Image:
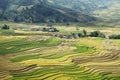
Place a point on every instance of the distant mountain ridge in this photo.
(83, 5)
(106, 9)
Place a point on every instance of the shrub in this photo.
(80, 35)
(97, 34)
(114, 37)
(6, 27)
(85, 33)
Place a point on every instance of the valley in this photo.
(37, 55)
(59, 40)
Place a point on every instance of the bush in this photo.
(80, 35)
(85, 33)
(114, 37)
(6, 27)
(51, 29)
(97, 34)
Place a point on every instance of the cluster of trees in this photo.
(5, 27)
(114, 37)
(50, 30)
(97, 34)
(77, 35)
(92, 34)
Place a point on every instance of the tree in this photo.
(94, 34)
(74, 35)
(84, 32)
(44, 29)
(80, 35)
(5, 27)
(114, 37)
(97, 34)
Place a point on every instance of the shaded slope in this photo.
(35, 11)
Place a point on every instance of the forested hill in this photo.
(36, 11)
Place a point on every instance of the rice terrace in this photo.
(59, 40)
(37, 55)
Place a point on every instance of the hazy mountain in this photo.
(86, 6)
(106, 9)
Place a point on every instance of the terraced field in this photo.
(42, 57)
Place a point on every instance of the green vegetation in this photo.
(81, 48)
(114, 78)
(39, 12)
(114, 37)
(25, 57)
(84, 33)
(53, 58)
(7, 32)
(117, 42)
(5, 27)
(97, 34)
(71, 71)
(18, 45)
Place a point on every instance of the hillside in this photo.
(113, 10)
(86, 6)
(35, 11)
(97, 8)
(37, 55)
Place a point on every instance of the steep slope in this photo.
(97, 8)
(112, 12)
(40, 11)
(86, 6)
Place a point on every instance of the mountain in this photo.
(86, 6)
(111, 13)
(35, 11)
(59, 10)
(105, 9)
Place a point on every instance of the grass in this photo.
(98, 39)
(82, 48)
(24, 57)
(70, 71)
(18, 45)
(7, 32)
(114, 78)
(117, 42)
(56, 64)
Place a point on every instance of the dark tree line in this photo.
(85, 34)
(97, 34)
(114, 37)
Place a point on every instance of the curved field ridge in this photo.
(30, 58)
(72, 72)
